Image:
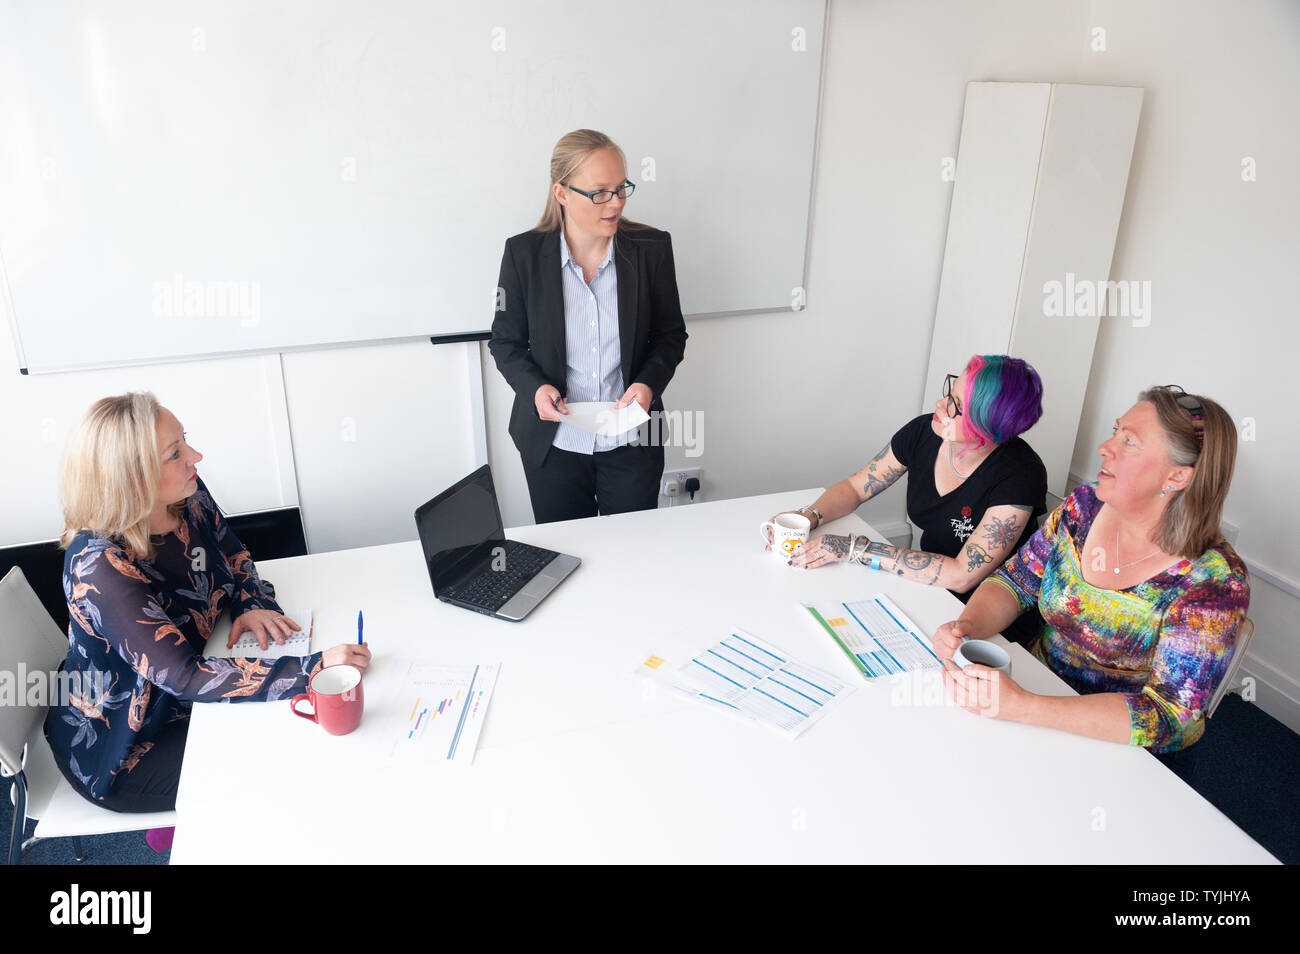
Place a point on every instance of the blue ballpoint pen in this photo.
(360, 623)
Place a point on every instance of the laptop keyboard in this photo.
(492, 589)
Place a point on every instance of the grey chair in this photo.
(1239, 649)
(30, 640)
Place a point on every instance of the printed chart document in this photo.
(600, 417)
(877, 637)
(441, 710)
(299, 644)
(744, 676)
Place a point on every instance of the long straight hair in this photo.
(1190, 523)
(111, 470)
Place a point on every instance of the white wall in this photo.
(1220, 253)
(377, 431)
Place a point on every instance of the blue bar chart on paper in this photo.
(441, 711)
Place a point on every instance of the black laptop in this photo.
(472, 564)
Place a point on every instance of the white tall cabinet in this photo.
(1041, 173)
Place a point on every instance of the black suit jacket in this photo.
(528, 339)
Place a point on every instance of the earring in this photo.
(1162, 493)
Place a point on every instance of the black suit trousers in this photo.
(568, 486)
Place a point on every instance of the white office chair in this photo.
(29, 637)
(1244, 635)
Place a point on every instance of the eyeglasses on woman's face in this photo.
(601, 196)
(954, 406)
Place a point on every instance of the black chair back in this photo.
(42, 564)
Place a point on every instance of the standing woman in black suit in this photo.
(587, 310)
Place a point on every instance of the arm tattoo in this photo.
(878, 478)
(978, 556)
(917, 559)
(909, 563)
(1001, 534)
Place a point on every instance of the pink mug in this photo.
(335, 697)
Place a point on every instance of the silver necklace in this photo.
(1133, 563)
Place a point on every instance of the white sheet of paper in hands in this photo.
(601, 418)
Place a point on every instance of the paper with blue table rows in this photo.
(876, 636)
(746, 677)
(440, 712)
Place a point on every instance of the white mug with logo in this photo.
(789, 530)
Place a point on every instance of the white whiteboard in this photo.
(180, 179)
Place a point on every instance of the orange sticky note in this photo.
(654, 662)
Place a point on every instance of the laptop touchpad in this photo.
(539, 586)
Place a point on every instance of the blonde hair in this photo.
(111, 471)
(567, 158)
(1190, 523)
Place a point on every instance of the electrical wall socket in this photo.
(673, 482)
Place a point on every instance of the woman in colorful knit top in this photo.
(151, 565)
(1141, 596)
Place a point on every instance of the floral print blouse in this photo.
(137, 634)
(1165, 644)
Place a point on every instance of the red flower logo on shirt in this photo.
(965, 511)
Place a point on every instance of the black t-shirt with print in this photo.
(1012, 474)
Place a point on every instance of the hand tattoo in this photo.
(836, 544)
(978, 557)
(1001, 534)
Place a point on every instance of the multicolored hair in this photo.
(1004, 397)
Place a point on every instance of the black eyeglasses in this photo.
(954, 408)
(1191, 405)
(601, 196)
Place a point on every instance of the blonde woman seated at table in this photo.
(1141, 595)
(974, 487)
(151, 565)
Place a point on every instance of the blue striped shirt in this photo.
(593, 350)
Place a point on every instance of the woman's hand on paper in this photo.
(821, 551)
(265, 625)
(550, 406)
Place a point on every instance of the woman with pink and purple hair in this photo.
(975, 488)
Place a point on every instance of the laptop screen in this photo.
(458, 526)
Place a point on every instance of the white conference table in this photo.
(582, 760)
